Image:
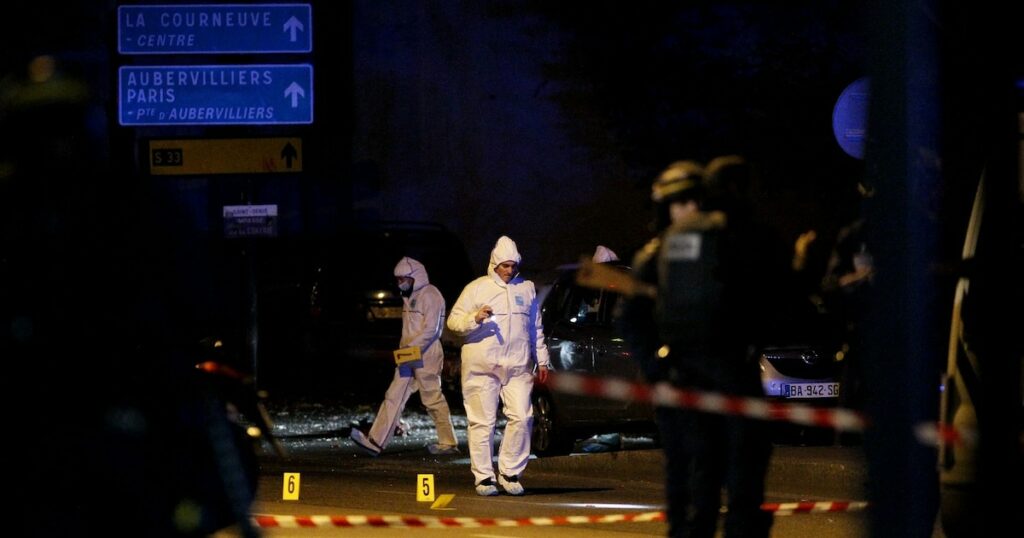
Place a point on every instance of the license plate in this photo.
(386, 312)
(810, 390)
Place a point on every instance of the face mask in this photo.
(405, 286)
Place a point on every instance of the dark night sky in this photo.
(547, 121)
(543, 121)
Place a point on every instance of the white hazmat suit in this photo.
(603, 254)
(422, 323)
(497, 362)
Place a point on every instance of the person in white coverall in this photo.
(422, 323)
(498, 316)
(603, 254)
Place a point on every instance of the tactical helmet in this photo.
(681, 180)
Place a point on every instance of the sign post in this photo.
(181, 94)
(214, 29)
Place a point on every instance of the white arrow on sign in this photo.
(293, 25)
(294, 91)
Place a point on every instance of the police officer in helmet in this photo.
(698, 333)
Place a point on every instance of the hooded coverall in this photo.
(497, 362)
(422, 323)
(603, 254)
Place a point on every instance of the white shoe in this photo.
(442, 450)
(510, 484)
(487, 488)
(364, 442)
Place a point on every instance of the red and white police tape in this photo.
(664, 394)
(787, 509)
(434, 522)
(933, 434)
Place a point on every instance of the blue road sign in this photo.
(850, 117)
(215, 94)
(214, 28)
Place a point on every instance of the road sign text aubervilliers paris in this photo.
(215, 94)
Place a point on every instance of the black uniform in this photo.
(712, 294)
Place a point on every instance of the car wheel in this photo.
(548, 437)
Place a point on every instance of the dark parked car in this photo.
(581, 338)
(579, 326)
(334, 319)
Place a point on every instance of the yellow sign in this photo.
(407, 354)
(225, 156)
(425, 487)
(290, 491)
(442, 502)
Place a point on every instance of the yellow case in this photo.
(407, 354)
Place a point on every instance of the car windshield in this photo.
(578, 305)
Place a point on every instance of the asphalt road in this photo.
(336, 480)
